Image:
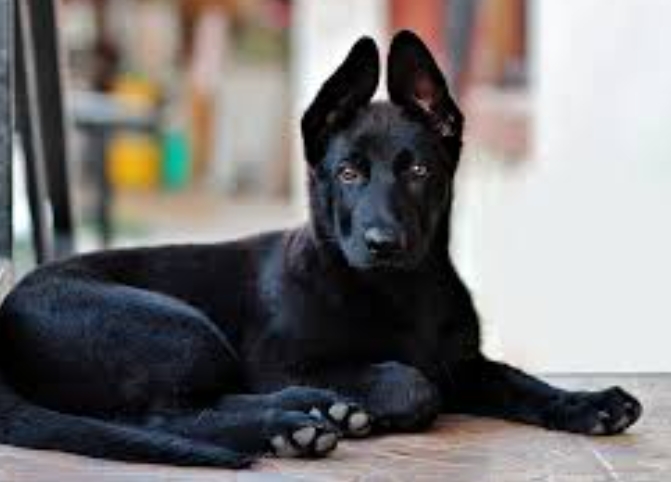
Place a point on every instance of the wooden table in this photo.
(458, 449)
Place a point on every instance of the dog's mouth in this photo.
(370, 262)
(388, 266)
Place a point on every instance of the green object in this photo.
(176, 169)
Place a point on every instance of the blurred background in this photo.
(183, 114)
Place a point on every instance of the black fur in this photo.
(356, 322)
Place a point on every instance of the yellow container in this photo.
(134, 162)
(136, 92)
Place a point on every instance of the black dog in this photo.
(355, 323)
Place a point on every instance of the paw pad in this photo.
(599, 413)
(348, 418)
(305, 436)
(359, 423)
(282, 447)
(310, 441)
(326, 443)
(338, 411)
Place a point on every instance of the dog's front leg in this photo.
(397, 396)
(494, 389)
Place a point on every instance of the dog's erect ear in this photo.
(415, 82)
(349, 88)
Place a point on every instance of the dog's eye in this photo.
(349, 175)
(419, 170)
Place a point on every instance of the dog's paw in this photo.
(296, 434)
(347, 416)
(606, 412)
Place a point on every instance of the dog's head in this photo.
(381, 173)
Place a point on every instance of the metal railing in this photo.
(31, 111)
(6, 136)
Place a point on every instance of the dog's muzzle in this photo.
(384, 244)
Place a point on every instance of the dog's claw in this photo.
(313, 440)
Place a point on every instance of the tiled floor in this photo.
(458, 449)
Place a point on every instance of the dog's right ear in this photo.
(350, 87)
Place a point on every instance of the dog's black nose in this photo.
(383, 242)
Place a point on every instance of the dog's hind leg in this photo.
(80, 356)
(23, 424)
(254, 430)
(294, 422)
(102, 349)
(142, 358)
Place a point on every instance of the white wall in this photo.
(570, 256)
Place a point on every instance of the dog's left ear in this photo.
(415, 82)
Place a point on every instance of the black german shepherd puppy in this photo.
(355, 323)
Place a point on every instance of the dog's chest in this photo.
(321, 320)
(374, 326)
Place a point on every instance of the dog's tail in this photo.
(24, 424)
